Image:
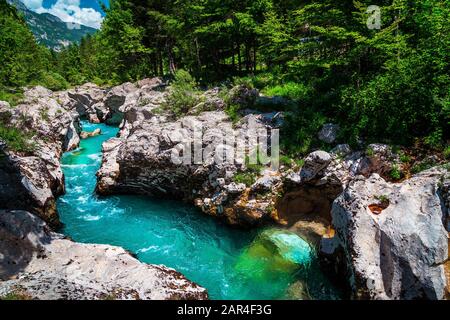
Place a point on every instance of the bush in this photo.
(16, 139)
(290, 90)
(395, 106)
(53, 81)
(183, 94)
(299, 135)
(247, 178)
(12, 97)
(396, 174)
(447, 153)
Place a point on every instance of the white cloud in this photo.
(69, 11)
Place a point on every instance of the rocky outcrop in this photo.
(87, 101)
(390, 240)
(39, 264)
(34, 176)
(122, 98)
(141, 161)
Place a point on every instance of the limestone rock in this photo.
(37, 175)
(266, 183)
(85, 135)
(315, 163)
(141, 161)
(44, 265)
(392, 237)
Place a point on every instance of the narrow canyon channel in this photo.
(269, 263)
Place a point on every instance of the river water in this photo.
(230, 263)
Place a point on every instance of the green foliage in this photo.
(447, 152)
(396, 173)
(405, 158)
(16, 139)
(12, 97)
(247, 178)
(383, 198)
(183, 94)
(300, 132)
(389, 85)
(15, 296)
(20, 56)
(52, 81)
(290, 162)
(291, 90)
(233, 112)
(422, 166)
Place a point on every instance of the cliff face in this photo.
(390, 241)
(35, 175)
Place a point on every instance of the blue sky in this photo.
(87, 12)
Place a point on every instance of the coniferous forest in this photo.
(389, 85)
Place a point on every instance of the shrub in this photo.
(247, 178)
(404, 158)
(13, 97)
(183, 94)
(447, 152)
(299, 135)
(53, 81)
(422, 166)
(16, 139)
(290, 90)
(395, 173)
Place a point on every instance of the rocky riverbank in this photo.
(307, 199)
(40, 264)
(390, 240)
(36, 263)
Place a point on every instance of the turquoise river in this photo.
(230, 263)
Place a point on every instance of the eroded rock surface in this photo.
(40, 264)
(390, 239)
(141, 161)
(32, 179)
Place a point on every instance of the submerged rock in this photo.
(275, 253)
(390, 239)
(41, 264)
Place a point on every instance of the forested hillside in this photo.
(387, 85)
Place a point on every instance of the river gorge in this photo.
(231, 263)
(94, 208)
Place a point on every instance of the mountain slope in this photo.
(51, 31)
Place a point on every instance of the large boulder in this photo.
(87, 100)
(315, 164)
(39, 264)
(390, 239)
